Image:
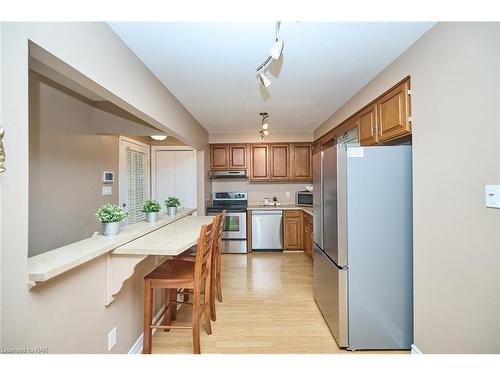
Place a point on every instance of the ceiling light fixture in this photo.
(265, 126)
(158, 137)
(275, 53)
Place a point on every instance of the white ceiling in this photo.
(210, 67)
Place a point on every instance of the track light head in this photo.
(265, 126)
(277, 49)
(266, 82)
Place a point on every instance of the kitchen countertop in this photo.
(252, 207)
(171, 240)
(45, 266)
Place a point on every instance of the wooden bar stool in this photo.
(177, 274)
(216, 287)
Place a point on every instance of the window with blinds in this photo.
(349, 137)
(136, 186)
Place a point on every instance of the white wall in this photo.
(455, 78)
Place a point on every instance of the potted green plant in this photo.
(172, 203)
(151, 208)
(110, 215)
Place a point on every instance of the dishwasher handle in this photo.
(267, 212)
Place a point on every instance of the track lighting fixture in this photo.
(277, 48)
(265, 126)
(275, 53)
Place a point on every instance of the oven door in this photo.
(235, 225)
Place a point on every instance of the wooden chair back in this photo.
(203, 260)
(218, 240)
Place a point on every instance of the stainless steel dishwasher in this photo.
(267, 233)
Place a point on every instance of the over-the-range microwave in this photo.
(304, 198)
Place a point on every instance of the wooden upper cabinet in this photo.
(279, 162)
(219, 157)
(301, 162)
(259, 162)
(393, 113)
(367, 126)
(238, 157)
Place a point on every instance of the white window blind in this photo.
(136, 185)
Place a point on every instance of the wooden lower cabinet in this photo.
(308, 234)
(293, 230)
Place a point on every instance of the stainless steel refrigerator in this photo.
(363, 245)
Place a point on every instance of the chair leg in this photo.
(173, 304)
(148, 317)
(211, 301)
(196, 324)
(219, 288)
(206, 306)
(167, 320)
(218, 280)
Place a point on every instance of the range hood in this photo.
(228, 174)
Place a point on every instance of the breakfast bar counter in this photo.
(171, 240)
(52, 263)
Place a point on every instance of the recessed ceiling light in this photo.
(159, 137)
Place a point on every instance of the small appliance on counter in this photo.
(304, 198)
(234, 236)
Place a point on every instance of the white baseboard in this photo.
(415, 350)
(138, 344)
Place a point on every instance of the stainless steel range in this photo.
(234, 237)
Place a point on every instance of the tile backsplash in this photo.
(258, 191)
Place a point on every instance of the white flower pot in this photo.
(151, 217)
(171, 211)
(111, 229)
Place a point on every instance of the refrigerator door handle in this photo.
(342, 253)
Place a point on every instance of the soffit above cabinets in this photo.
(211, 67)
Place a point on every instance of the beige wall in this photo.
(67, 159)
(254, 137)
(68, 314)
(1, 124)
(455, 78)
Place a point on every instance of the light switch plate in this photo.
(107, 190)
(492, 196)
(111, 339)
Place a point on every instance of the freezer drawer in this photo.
(330, 293)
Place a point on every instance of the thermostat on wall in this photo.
(108, 177)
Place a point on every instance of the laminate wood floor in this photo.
(268, 308)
